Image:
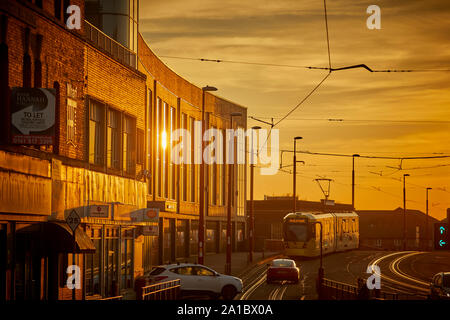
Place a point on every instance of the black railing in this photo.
(111, 46)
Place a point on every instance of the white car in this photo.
(198, 279)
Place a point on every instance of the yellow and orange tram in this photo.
(301, 233)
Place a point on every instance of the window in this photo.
(113, 139)
(93, 264)
(166, 137)
(147, 253)
(158, 146)
(213, 170)
(149, 139)
(140, 147)
(192, 165)
(187, 271)
(156, 271)
(126, 259)
(183, 167)
(66, 4)
(111, 242)
(57, 8)
(129, 149)
(199, 271)
(173, 126)
(96, 133)
(71, 107)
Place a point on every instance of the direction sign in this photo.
(73, 220)
(441, 236)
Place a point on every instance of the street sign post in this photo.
(73, 220)
(441, 236)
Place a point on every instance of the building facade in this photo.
(383, 229)
(87, 117)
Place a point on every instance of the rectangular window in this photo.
(93, 263)
(57, 7)
(166, 149)
(71, 107)
(96, 133)
(127, 259)
(173, 126)
(149, 139)
(140, 146)
(129, 144)
(213, 180)
(113, 139)
(192, 165)
(183, 167)
(111, 250)
(158, 145)
(224, 171)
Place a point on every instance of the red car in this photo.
(283, 269)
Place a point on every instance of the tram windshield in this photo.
(296, 232)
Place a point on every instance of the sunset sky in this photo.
(385, 114)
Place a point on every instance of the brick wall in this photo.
(62, 61)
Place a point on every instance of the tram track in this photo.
(399, 280)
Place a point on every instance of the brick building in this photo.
(383, 229)
(108, 159)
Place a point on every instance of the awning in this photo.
(64, 238)
(57, 237)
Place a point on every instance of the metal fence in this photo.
(111, 46)
(335, 290)
(168, 290)
(112, 298)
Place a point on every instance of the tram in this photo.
(301, 233)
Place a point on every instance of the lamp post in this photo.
(230, 190)
(252, 220)
(426, 223)
(295, 173)
(404, 211)
(353, 180)
(321, 272)
(201, 218)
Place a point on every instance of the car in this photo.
(283, 269)
(440, 286)
(197, 279)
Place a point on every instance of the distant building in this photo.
(269, 215)
(383, 229)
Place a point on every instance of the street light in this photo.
(252, 221)
(295, 172)
(353, 180)
(201, 219)
(230, 184)
(404, 211)
(426, 223)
